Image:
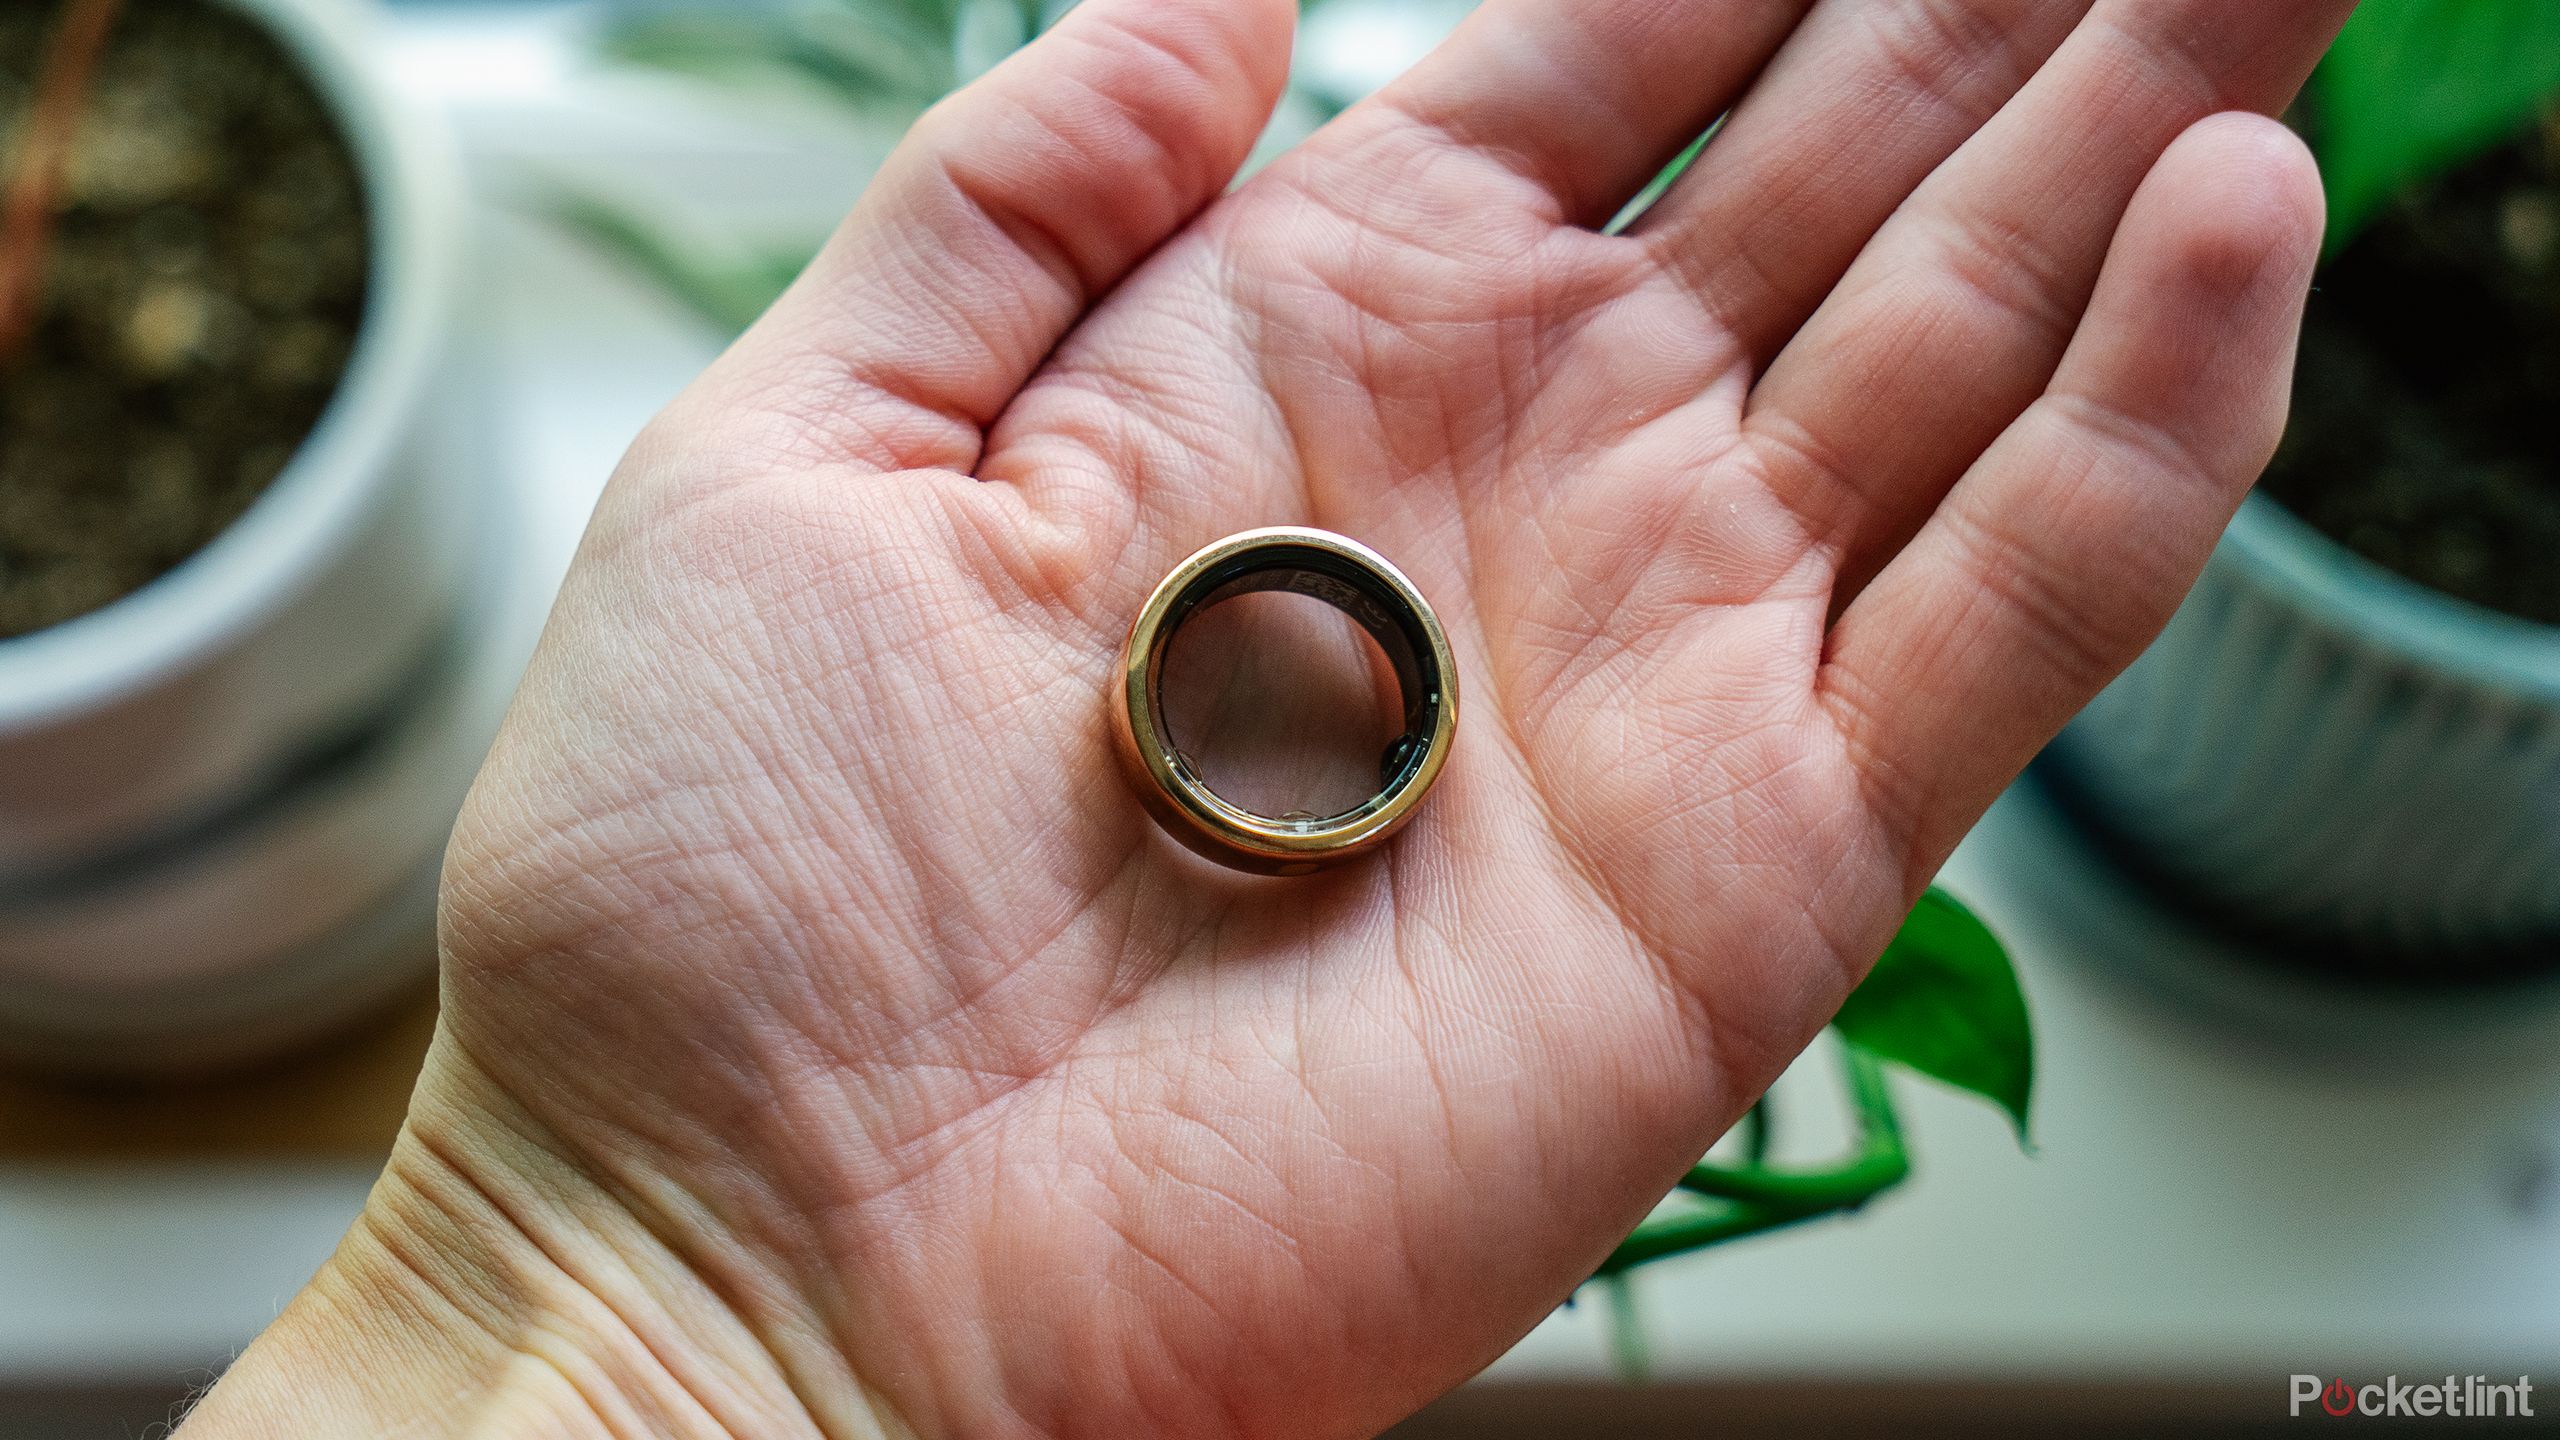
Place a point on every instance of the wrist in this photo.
(493, 1288)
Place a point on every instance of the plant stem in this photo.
(1880, 1164)
(1680, 1234)
(1627, 1347)
(35, 184)
(1759, 1132)
(1759, 1199)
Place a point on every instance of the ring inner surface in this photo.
(1355, 590)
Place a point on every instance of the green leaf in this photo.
(2416, 87)
(1945, 1002)
(728, 290)
(880, 57)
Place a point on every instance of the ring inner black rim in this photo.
(1374, 604)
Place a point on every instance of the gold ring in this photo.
(1353, 579)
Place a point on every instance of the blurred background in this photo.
(322, 323)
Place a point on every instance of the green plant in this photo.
(881, 61)
(888, 56)
(1942, 1002)
(2415, 87)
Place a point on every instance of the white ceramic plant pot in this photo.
(175, 769)
(2364, 771)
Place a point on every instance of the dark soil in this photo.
(2426, 431)
(203, 293)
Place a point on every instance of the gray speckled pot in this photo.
(2339, 757)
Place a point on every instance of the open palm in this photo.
(803, 911)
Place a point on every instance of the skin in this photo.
(831, 1047)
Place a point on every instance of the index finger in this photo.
(1589, 99)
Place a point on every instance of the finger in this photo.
(1589, 99)
(1984, 274)
(1007, 211)
(2062, 553)
(1857, 109)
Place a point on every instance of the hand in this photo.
(831, 1042)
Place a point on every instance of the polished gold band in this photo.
(1360, 583)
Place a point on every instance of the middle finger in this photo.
(1866, 99)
